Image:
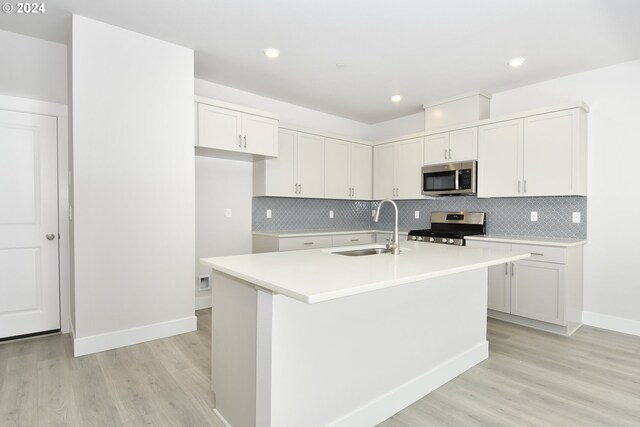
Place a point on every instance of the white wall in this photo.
(289, 113)
(133, 166)
(397, 127)
(221, 184)
(611, 285)
(33, 68)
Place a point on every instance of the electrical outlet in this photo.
(330, 214)
(268, 213)
(534, 216)
(575, 217)
(205, 283)
(416, 214)
(373, 212)
(227, 213)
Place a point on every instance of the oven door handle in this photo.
(458, 179)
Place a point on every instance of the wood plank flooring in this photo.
(530, 379)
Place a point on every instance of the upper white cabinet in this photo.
(347, 170)
(227, 127)
(397, 169)
(298, 171)
(453, 146)
(539, 155)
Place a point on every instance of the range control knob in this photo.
(432, 240)
(420, 239)
(451, 241)
(412, 238)
(444, 240)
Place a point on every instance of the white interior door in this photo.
(29, 280)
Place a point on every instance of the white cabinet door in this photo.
(500, 147)
(549, 141)
(384, 172)
(361, 171)
(463, 145)
(310, 165)
(280, 174)
(436, 148)
(336, 169)
(260, 135)
(537, 291)
(499, 288)
(219, 128)
(408, 167)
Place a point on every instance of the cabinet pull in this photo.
(240, 141)
(245, 141)
(512, 270)
(518, 186)
(299, 188)
(308, 243)
(295, 188)
(355, 240)
(445, 154)
(449, 153)
(537, 253)
(506, 269)
(525, 186)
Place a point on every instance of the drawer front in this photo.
(352, 239)
(311, 242)
(542, 253)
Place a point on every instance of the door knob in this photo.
(51, 236)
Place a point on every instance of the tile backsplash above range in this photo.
(504, 215)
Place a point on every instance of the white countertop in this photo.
(317, 275)
(303, 233)
(528, 240)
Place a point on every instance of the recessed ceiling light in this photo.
(396, 98)
(516, 62)
(271, 52)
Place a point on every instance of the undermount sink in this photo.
(363, 252)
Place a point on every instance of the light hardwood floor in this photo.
(531, 379)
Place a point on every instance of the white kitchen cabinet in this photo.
(347, 170)
(397, 169)
(500, 147)
(543, 291)
(539, 155)
(224, 128)
(298, 171)
(453, 146)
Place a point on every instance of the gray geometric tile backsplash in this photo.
(504, 216)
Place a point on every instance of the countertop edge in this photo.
(529, 240)
(327, 296)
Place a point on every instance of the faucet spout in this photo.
(394, 243)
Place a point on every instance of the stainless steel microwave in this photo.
(449, 179)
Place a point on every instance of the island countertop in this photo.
(317, 275)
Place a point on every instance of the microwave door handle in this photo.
(457, 180)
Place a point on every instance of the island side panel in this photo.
(358, 360)
(233, 349)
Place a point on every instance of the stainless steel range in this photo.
(451, 227)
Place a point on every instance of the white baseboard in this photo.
(399, 398)
(613, 323)
(125, 337)
(203, 302)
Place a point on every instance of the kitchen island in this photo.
(314, 338)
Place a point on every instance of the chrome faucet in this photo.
(393, 244)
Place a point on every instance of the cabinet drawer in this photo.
(352, 239)
(542, 253)
(489, 245)
(311, 242)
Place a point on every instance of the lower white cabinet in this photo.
(275, 243)
(543, 291)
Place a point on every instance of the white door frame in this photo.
(60, 112)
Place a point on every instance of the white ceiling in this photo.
(425, 50)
